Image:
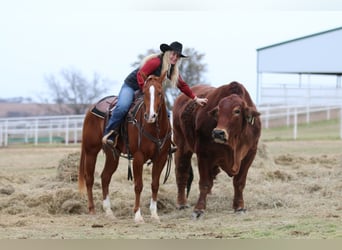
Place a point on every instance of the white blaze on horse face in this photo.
(152, 116)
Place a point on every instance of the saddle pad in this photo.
(104, 105)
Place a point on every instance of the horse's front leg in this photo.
(156, 172)
(138, 163)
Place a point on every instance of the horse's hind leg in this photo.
(90, 162)
(110, 167)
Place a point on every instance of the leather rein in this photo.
(160, 142)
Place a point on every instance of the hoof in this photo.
(155, 218)
(240, 211)
(197, 214)
(181, 207)
(139, 221)
(110, 216)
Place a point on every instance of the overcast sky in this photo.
(40, 37)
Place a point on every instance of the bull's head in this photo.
(233, 116)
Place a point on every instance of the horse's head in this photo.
(153, 97)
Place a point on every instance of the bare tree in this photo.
(73, 91)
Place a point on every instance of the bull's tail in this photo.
(81, 179)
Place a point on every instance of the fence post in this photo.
(67, 131)
(295, 124)
(36, 132)
(1, 133)
(267, 117)
(50, 132)
(75, 131)
(6, 134)
(341, 122)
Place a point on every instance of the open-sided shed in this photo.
(306, 70)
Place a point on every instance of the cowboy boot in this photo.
(111, 138)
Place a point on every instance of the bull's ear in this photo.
(250, 114)
(213, 112)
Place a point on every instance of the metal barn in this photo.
(302, 71)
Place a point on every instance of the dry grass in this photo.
(293, 191)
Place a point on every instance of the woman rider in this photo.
(168, 60)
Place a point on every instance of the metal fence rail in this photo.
(275, 116)
(68, 129)
(42, 129)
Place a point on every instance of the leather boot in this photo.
(111, 138)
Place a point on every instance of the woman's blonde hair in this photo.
(173, 80)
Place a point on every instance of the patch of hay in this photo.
(6, 189)
(67, 169)
(68, 201)
(281, 175)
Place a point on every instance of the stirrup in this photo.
(173, 149)
(109, 141)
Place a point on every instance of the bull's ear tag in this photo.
(250, 120)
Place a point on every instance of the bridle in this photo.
(159, 141)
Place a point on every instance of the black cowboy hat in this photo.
(175, 46)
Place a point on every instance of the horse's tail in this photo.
(81, 179)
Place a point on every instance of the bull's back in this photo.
(184, 113)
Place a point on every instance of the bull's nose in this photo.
(219, 134)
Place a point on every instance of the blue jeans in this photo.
(125, 99)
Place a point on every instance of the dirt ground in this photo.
(293, 191)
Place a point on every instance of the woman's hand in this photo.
(201, 101)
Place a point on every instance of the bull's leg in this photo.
(182, 169)
(239, 182)
(138, 163)
(110, 167)
(205, 185)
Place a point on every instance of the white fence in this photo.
(273, 116)
(68, 129)
(43, 129)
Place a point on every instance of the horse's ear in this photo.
(143, 75)
(162, 77)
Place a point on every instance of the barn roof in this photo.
(319, 53)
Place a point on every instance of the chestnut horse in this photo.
(149, 138)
